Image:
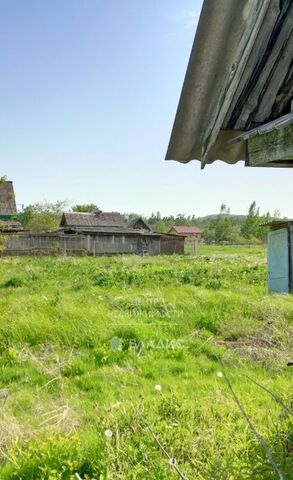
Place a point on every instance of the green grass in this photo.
(195, 248)
(258, 250)
(84, 342)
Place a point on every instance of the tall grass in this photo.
(85, 341)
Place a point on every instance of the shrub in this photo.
(13, 282)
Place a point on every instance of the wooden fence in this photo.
(79, 244)
(46, 244)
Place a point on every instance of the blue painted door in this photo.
(278, 261)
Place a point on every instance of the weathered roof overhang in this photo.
(277, 224)
(239, 77)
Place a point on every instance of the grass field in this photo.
(203, 249)
(97, 354)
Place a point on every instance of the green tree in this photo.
(224, 209)
(3, 180)
(221, 226)
(43, 216)
(251, 226)
(86, 208)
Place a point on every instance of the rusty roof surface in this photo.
(239, 76)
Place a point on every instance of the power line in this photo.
(172, 461)
(258, 436)
(274, 395)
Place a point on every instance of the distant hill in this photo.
(234, 218)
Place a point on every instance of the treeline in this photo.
(221, 228)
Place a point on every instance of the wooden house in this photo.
(107, 234)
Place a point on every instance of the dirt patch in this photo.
(62, 418)
(264, 346)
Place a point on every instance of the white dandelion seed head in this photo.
(108, 433)
(158, 388)
(219, 374)
(172, 461)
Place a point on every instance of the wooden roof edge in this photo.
(277, 223)
(276, 124)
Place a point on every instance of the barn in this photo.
(107, 234)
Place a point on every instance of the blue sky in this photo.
(88, 92)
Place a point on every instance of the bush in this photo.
(13, 282)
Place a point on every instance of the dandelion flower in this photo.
(158, 388)
(109, 433)
(219, 374)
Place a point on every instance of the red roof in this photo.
(186, 230)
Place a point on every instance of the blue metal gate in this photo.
(278, 261)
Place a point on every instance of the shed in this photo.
(280, 256)
(106, 234)
(236, 101)
(171, 244)
(189, 232)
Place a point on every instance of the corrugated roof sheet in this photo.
(7, 199)
(239, 76)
